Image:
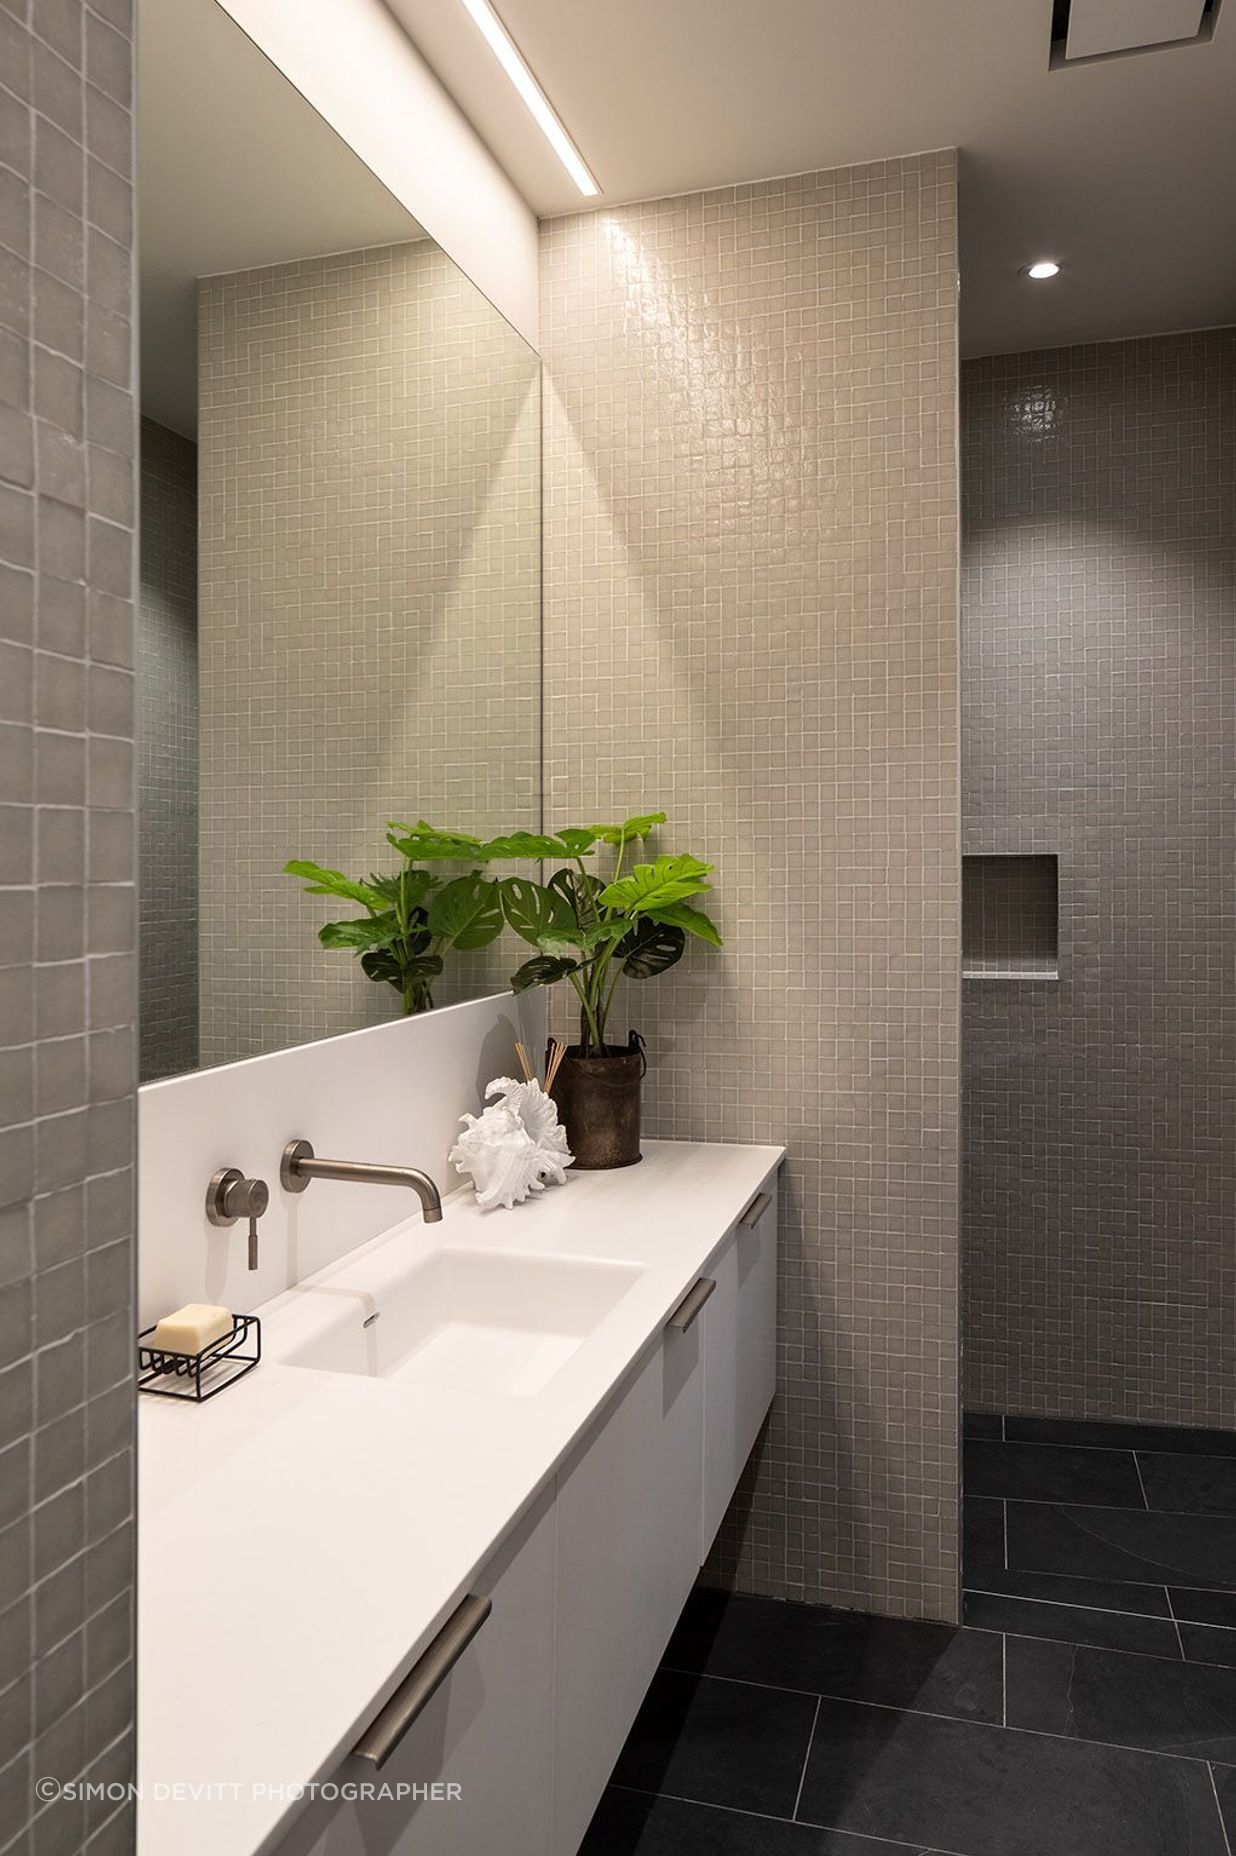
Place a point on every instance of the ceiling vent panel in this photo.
(1085, 29)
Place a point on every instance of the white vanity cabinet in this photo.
(487, 1730)
(740, 1353)
(628, 1552)
(586, 1592)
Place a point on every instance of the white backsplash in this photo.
(392, 1093)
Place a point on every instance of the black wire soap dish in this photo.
(198, 1376)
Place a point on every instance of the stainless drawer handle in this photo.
(755, 1211)
(691, 1303)
(422, 1682)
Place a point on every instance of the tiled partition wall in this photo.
(1099, 603)
(369, 477)
(67, 445)
(751, 622)
(168, 750)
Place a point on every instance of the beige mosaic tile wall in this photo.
(1099, 626)
(751, 621)
(369, 472)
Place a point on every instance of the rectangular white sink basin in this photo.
(470, 1321)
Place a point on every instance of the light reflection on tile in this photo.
(370, 611)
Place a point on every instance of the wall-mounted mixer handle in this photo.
(231, 1196)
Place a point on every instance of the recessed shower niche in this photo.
(1009, 921)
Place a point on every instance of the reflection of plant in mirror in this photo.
(413, 919)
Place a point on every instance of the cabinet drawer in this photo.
(628, 1552)
(487, 1730)
(740, 1355)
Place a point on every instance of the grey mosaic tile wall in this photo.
(67, 928)
(369, 472)
(751, 621)
(167, 751)
(1099, 622)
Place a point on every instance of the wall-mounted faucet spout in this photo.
(300, 1164)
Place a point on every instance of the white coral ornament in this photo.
(515, 1147)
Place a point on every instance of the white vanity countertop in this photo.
(303, 1536)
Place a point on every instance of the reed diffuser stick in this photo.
(557, 1052)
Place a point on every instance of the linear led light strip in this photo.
(505, 50)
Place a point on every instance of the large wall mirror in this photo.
(340, 552)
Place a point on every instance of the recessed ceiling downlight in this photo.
(1043, 268)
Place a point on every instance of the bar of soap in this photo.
(191, 1329)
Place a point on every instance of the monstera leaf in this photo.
(521, 844)
(691, 921)
(534, 909)
(650, 948)
(579, 890)
(407, 890)
(649, 887)
(406, 976)
(376, 931)
(466, 913)
(542, 970)
(582, 943)
(319, 881)
(425, 844)
(641, 826)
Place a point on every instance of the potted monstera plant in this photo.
(594, 930)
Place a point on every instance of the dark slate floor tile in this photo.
(982, 1535)
(1118, 1543)
(1225, 1791)
(1190, 1484)
(985, 1424)
(1059, 1688)
(1208, 1643)
(1201, 1607)
(1148, 1601)
(981, 1791)
(1109, 1630)
(726, 1743)
(1098, 1436)
(893, 1661)
(636, 1824)
(1050, 1473)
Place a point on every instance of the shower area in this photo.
(1099, 989)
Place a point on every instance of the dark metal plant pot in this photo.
(598, 1105)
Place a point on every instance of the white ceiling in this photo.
(1124, 168)
(235, 169)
